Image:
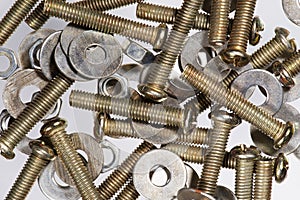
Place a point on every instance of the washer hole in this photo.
(4, 63)
(258, 98)
(204, 55)
(109, 156)
(95, 54)
(27, 92)
(58, 181)
(83, 156)
(159, 175)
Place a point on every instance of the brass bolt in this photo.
(219, 22)
(39, 158)
(55, 131)
(275, 48)
(280, 132)
(33, 113)
(240, 33)
(246, 158)
(155, 82)
(118, 177)
(14, 17)
(263, 179)
(129, 192)
(281, 167)
(223, 122)
(135, 109)
(164, 14)
(107, 23)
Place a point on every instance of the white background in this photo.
(270, 12)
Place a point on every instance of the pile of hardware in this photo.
(149, 99)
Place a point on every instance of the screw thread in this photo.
(14, 17)
(268, 53)
(219, 22)
(33, 113)
(164, 62)
(102, 5)
(263, 179)
(230, 78)
(234, 101)
(200, 102)
(34, 165)
(229, 161)
(292, 64)
(36, 19)
(129, 192)
(244, 178)
(115, 180)
(100, 21)
(164, 14)
(73, 163)
(242, 24)
(135, 109)
(214, 158)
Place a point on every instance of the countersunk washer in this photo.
(13, 63)
(95, 55)
(14, 85)
(47, 62)
(173, 166)
(27, 43)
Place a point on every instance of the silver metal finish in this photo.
(192, 177)
(95, 55)
(115, 86)
(291, 9)
(5, 120)
(173, 166)
(189, 193)
(13, 63)
(114, 160)
(292, 94)
(34, 54)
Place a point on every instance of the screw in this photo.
(239, 36)
(155, 82)
(281, 167)
(280, 132)
(14, 17)
(223, 122)
(34, 112)
(36, 19)
(55, 131)
(244, 171)
(39, 158)
(129, 192)
(107, 23)
(135, 109)
(164, 14)
(123, 128)
(257, 26)
(118, 177)
(219, 22)
(263, 179)
(275, 48)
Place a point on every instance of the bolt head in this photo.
(226, 117)
(289, 132)
(244, 152)
(235, 57)
(281, 167)
(53, 126)
(41, 150)
(257, 26)
(290, 44)
(152, 92)
(5, 151)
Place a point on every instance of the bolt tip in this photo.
(53, 126)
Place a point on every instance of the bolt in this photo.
(257, 26)
(164, 14)
(14, 17)
(239, 36)
(223, 122)
(39, 158)
(135, 109)
(275, 48)
(280, 132)
(263, 179)
(129, 192)
(155, 82)
(33, 112)
(107, 23)
(55, 131)
(246, 158)
(123, 128)
(219, 22)
(118, 177)
(281, 167)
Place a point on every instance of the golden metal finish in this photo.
(55, 131)
(263, 179)
(129, 192)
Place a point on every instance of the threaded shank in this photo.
(36, 19)
(14, 17)
(135, 109)
(165, 61)
(129, 192)
(74, 165)
(35, 111)
(214, 158)
(242, 24)
(200, 102)
(100, 21)
(234, 101)
(119, 177)
(263, 180)
(268, 53)
(219, 22)
(26, 178)
(292, 64)
(167, 15)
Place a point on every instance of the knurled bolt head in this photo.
(53, 126)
